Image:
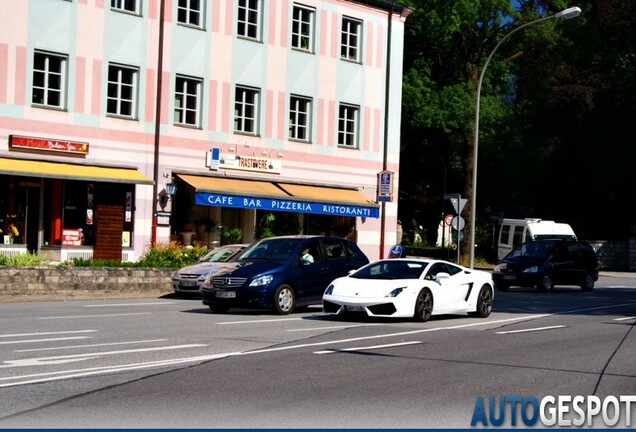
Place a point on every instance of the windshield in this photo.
(220, 254)
(532, 250)
(272, 250)
(391, 269)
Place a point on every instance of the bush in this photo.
(26, 259)
(171, 255)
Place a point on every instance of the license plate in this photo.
(354, 308)
(188, 283)
(510, 277)
(226, 294)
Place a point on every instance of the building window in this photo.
(246, 110)
(300, 118)
(49, 80)
(122, 91)
(303, 28)
(189, 12)
(249, 12)
(187, 101)
(131, 6)
(350, 39)
(348, 116)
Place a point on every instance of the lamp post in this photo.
(568, 13)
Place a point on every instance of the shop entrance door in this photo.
(30, 192)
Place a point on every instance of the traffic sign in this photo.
(448, 219)
(458, 204)
(458, 221)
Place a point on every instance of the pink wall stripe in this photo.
(4, 72)
(269, 113)
(20, 74)
(369, 136)
(226, 101)
(80, 83)
(335, 25)
(96, 87)
(282, 119)
(165, 97)
(153, 9)
(99, 4)
(284, 23)
(83, 2)
(324, 18)
(370, 42)
(271, 34)
(229, 17)
(379, 45)
(212, 106)
(151, 92)
(216, 12)
(377, 126)
(320, 122)
(331, 116)
(167, 10)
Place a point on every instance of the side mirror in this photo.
(441, 275)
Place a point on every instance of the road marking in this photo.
(260, 321)
(90, 346)
(93, 316)
(531, 330)
(331, 351)
(335, 327)
(62, 375)
(44, 340)
(625, 319)
(128, 304)
(86, 356)
(47, 333)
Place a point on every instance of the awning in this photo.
(69, 171)
(273, 196)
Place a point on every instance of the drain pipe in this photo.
(155, 186)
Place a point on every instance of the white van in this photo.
(513, 232)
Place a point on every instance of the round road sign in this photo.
(458, 220)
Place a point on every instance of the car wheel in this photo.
(588, 283)
(219, 308)
(546, 283)
(502, 287)
(484, 303)
(423, 306)
(284, 300)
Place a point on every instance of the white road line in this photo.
(90, 346)
(47, 333)
(93, 316)
(625, 319)
(260, 321)
(44, 377)
(129, 304)
(335, 327)
(44, 340)
(531, 329)
(331, 351)
(56, 359)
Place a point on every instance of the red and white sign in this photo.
(71, 237)
(50, 145)
(448, 219)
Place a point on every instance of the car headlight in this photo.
(532, 269)
(203, 277)
(261, 281)
(499, 267)
(175, 275)
(395, 292)
(329, 290)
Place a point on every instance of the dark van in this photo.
(546, 263)
(282, 273)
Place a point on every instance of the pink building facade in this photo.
(129, 122)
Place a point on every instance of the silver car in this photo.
(190, 278)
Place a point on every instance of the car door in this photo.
(453, 290)
(312, 279)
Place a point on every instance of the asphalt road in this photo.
(169, 363)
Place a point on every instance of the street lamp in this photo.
(568, 13)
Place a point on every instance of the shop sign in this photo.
(48, 145)
(268, 204)
(71, 237)
(163, 218)
(385, 186)
(243, 163)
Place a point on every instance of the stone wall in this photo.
(76, 281)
